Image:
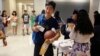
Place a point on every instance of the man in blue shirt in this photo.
(48, 22)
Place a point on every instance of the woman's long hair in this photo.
(14, 13)
(3, 13)
(84, 25)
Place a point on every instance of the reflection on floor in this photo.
(18, 46)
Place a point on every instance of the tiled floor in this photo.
(18, 46)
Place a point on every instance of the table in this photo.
(65, 46)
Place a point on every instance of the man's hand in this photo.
(48, 41)
(35, 29)
(56, 36)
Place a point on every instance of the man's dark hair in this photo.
(43, 12)
(51, 3)
(56, 15)
(75, 11)
(25, 10)
(15, 13)
(33, 11)
(96, 12)
(3, 13)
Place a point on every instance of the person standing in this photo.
(48, 22)
(5, 21)
(25, 17)
(95, 41)
(96, 18)
(69, 25)
(33, 16)
(3, 31)
(81, 35)
(58, 18)
(14, 22)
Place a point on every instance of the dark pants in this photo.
(95, 48)
(95, 41)
(37, 48)
(2, 28)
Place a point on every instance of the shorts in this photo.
(25, 26)
(2, 28)
(13, 24)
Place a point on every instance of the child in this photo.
(14, 21)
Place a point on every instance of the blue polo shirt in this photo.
(48, 24)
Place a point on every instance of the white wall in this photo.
(19, 9)
(12, 5)
(29, 10)
(6, 6)
(39, 5)
(0, 5)
(99, 7)
(9, 6)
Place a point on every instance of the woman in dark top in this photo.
(2, 29)
(5, 22)
(4, 16)
(95, 41)
(97, 18)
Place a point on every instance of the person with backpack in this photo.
(2, 32)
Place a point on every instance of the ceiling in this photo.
(24, 1)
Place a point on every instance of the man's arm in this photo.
(29, 16)
(23, 18)
(57, 29)
(35, 28)
(56, 36)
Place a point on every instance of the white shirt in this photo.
(80, 38)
